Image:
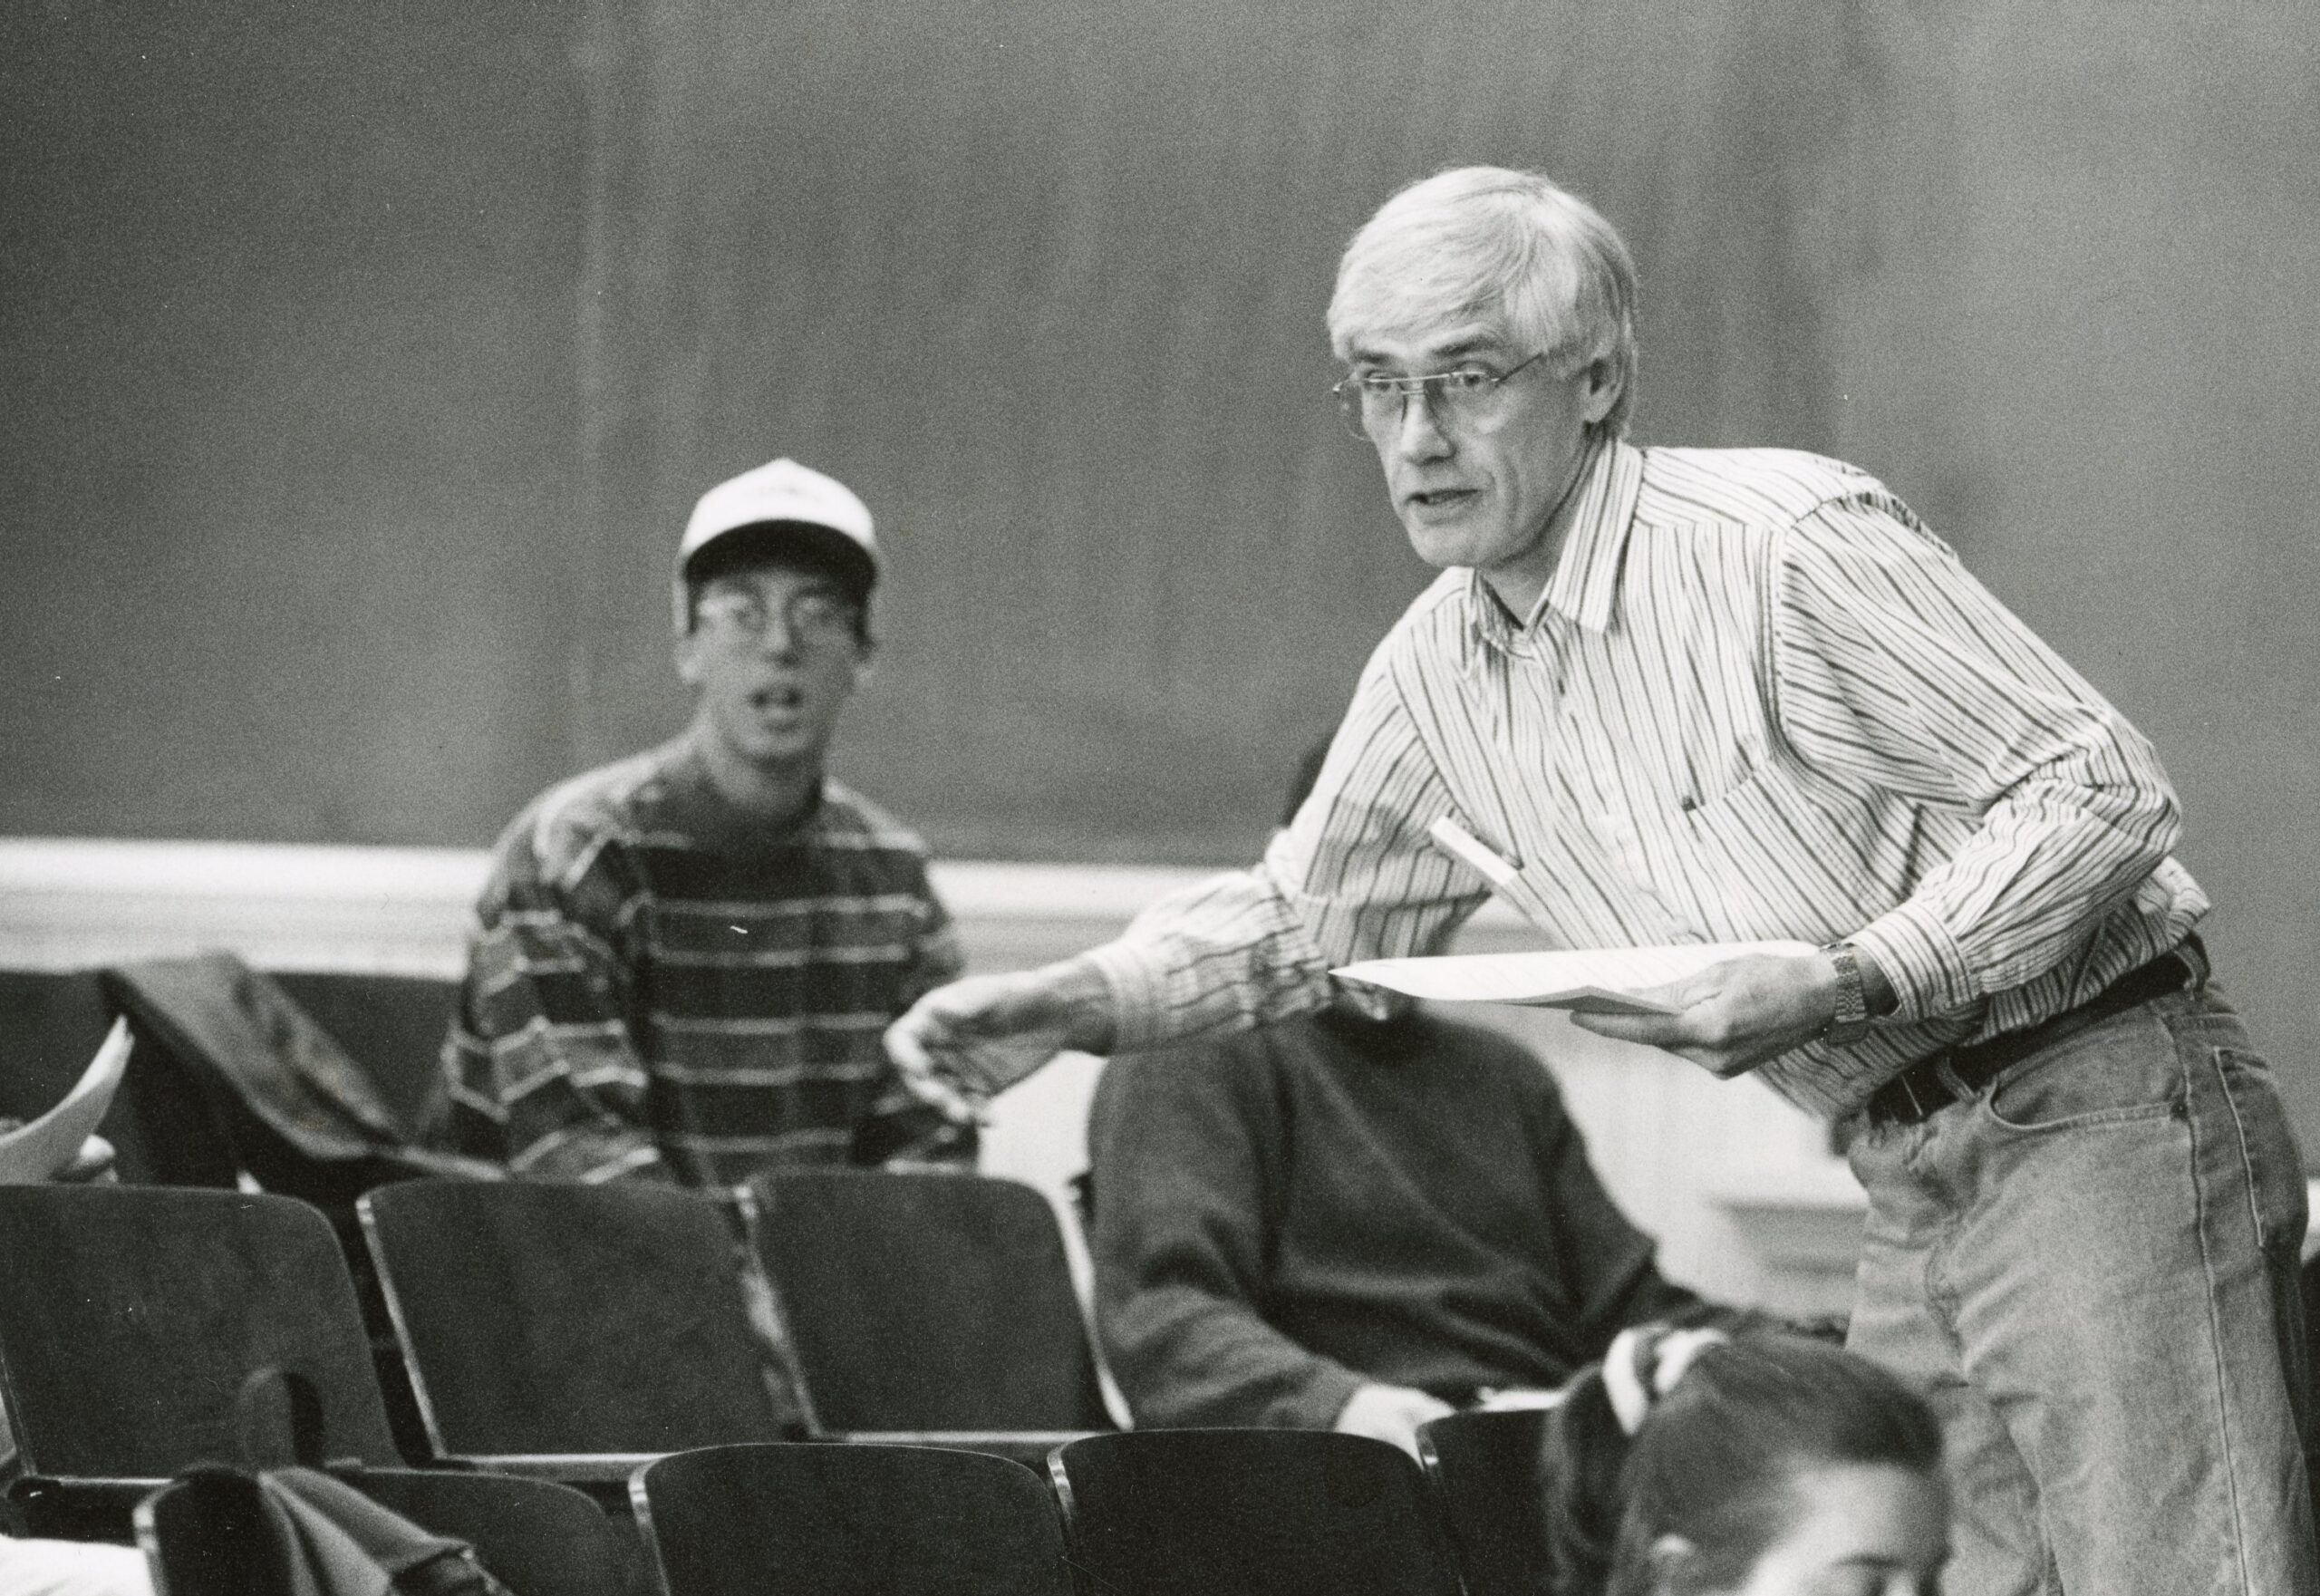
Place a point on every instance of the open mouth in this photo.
(781, 700)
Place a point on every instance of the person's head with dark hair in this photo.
(1688, 1464)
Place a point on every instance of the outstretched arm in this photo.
(1354, 877)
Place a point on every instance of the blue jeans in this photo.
(2090, 1268)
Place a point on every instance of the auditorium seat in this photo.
(573, 1331)
(393, 1026)
(1486, 1471)
(1249, 1512)
(131, 1319)
(207, 1535)
(849, 1521)
(298, 1111)
(926, 1306)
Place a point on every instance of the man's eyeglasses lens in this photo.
(1373, 403)
(817, 620)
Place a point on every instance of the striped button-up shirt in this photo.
(659, 986)
(1756, 700)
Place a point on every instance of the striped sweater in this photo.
(1758, 699)
(659, 988)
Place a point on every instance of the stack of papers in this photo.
(1593, 980)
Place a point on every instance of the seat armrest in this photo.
(80, 1507)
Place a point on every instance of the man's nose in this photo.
(778, 636)
(1418, 434)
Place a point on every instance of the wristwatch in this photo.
(1850, 1022)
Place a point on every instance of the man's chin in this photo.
(772, 748)
(1441, 546)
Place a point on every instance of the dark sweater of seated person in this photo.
(1283, 1217)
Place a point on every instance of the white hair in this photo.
(1484, 241)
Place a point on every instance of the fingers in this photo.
(1389, 1413)
(1657, 1031)
(912, 1043)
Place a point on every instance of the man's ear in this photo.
(687, 654)
(865, 663)
(1603, 387)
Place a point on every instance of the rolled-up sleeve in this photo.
(1354, 877)
(1897, 670)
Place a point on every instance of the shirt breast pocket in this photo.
(1780, 850)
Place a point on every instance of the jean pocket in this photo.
(2118, 1072)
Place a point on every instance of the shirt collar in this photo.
(1586, 576)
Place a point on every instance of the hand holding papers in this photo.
(47, 1146)
(1597, 981)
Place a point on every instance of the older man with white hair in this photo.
(1731, 696)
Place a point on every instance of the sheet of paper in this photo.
(1596, 980)
(36, 1152)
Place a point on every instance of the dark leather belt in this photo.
(1933, 1084)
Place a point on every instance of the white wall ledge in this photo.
(69, 902)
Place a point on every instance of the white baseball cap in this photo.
(780, 490)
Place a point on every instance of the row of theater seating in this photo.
(582, 1335)
(1169, 1512)
(581, 1327)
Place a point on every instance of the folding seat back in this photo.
(391, 1026)
(1249, 1512)
(297, 1111)
(1487, 1471)
(927, 1302)
(849, 1521)
(210, 1535)
(537, 1537)
(131, 1318)
(559, 1319)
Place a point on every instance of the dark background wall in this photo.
(362, 362)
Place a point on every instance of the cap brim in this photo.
(825, 547)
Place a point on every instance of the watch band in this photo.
(1850, 1022)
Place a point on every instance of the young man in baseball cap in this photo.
(683, 962)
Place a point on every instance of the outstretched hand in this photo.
(1731, 1017)
(962, 1044)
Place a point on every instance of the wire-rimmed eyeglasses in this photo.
(1372, 404)
(811, 619)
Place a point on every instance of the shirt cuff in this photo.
(1324, 1397)
(1926, 968)
(1137, 1006)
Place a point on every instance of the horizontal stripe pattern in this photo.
(1758, 699)
(656, 989)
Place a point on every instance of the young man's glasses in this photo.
(810, 619)
(1374, 403)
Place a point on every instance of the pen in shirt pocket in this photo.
(1458, 841)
